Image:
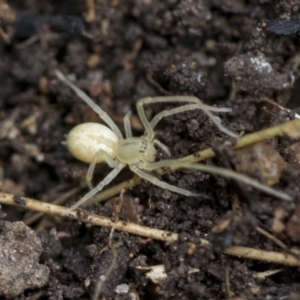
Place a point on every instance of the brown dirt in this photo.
(215, 50)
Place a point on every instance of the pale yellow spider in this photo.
(94, 143)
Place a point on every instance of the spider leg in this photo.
(176, 164)
(141, 112)
(176, 110)
(197, 104)
(99, 187)
(165, 185)
(228, 174)
(218, 109)
(90, 173)
(162, 147)
(207, 110)
(166, 163)
(170, 112)
(127, 125)
(97, 109)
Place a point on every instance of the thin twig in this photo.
(61, 199)
(89, 218)
(166, 236)
(149, 76)
(271, 237)
(263, 255)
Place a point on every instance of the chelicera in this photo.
(94, 143)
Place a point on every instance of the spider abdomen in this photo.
(86, 139)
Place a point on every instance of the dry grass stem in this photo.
(263, 255)
(59, 200)
(166, 236)
(102, 221)
(266, 274)
(271, 237)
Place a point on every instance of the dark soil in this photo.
(219, 51)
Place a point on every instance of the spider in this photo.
(94, 143)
